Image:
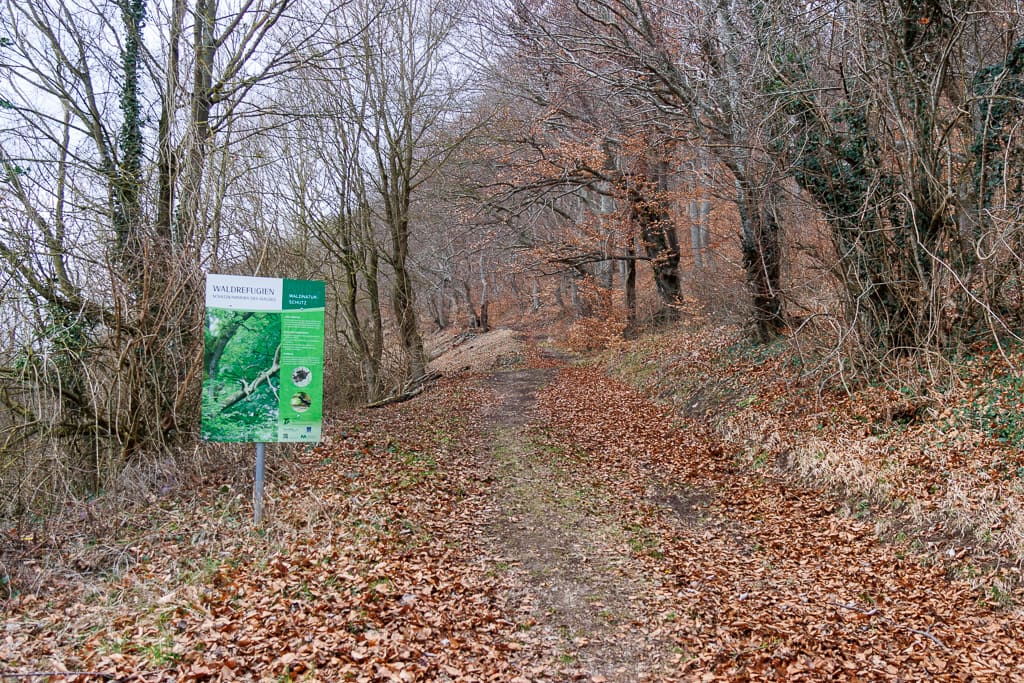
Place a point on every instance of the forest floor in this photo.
(537, 517)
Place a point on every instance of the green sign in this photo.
(263, 359)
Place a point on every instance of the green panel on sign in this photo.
(241, 375)
(302, 374)
(300, 294)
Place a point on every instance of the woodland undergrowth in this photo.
(783, 524)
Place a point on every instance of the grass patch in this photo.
(643, 541)
(161, 652)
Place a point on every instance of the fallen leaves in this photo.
(366, 571)
(381, 560)
(772, 582)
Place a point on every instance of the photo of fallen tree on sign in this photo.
(241, 375)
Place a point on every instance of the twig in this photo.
(930, 636)
(853, 608)
(874, 611)
(35, 674)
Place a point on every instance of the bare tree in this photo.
(332, 198)
(899, 132)
(399, 86)
(109, 220)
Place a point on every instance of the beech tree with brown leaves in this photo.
(696, 71)
(594, 158)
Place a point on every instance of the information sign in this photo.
(263, 359)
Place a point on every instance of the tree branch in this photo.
(249, 388)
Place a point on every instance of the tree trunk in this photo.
(403, 299)
(167, 166)
(375, 379)
(650, 211)
(472, 320)
(629, 282)
(366, 339)
(762, 259)
(484, 300)
(485, 325)
(439, 302)
(199, 133)
(693, 209)
(126, 181)
(658, 235)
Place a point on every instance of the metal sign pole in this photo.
(257, 487)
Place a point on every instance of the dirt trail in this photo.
(766, 579)
(580, 589)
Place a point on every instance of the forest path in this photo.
(638, 549)
(577, 585)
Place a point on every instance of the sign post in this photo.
(257, 486)
(263, 364)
